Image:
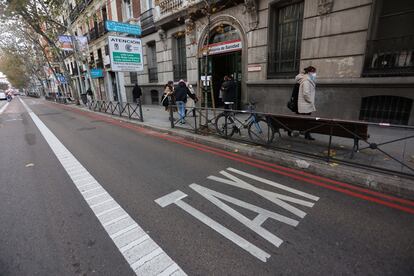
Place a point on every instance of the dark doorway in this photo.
(219, 66)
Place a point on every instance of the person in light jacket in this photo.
(306, 96)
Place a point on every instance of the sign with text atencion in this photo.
(125, 54)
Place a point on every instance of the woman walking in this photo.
(306, 96)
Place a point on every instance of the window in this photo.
(152, 62)
(179, 58)
(127, 9)
(134, 77)
(285, 34)
(386, 109)
(390, 52)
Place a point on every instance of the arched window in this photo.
(386, 109)
(222, 33)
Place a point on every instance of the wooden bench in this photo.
(355, 130)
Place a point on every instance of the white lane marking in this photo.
(147, 258)
(169, 270)
(100, 203)
(108, 211)
(238, 240)
(115, 220)
(133, 232)
(4, 108)
(134, 243)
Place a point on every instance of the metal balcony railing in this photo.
(147, 21)
(167, 6)
(78, 9)
(390, 57)
(97, 32)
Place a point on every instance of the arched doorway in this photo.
(224, 58)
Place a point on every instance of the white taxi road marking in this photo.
(130, 239)
(255, 224)
(4, 108)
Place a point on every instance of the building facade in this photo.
(87, 18)
(363, 51)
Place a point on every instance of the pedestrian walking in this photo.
(136, 93)
(168, 96)
(306, 95)
(89, 94)
(181, 92)
(191, 102)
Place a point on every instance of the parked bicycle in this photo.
(258, 128)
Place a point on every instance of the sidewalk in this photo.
(156, 118)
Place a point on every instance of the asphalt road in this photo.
(249, 228)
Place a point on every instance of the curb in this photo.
(386, 183)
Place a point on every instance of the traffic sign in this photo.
(114, 26)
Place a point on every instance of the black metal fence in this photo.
(377, 146)
(129, 110)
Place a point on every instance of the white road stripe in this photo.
(126, 238)
(4, 108)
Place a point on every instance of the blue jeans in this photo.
(181, 110)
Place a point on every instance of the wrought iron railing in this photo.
(167, 6)
(390, 57)
(377, 146)
(147, 21)
(130, 110)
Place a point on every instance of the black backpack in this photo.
(293, 102)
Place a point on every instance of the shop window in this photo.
(179, 57)
(285, 35)
(386, 109)
(152, 62)
(390, 51)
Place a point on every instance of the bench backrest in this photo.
(347, 129)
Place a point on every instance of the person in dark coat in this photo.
(136, 93)
(181, 92)
(229, 91)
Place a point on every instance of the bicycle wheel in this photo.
(260, 131)
(221, 125)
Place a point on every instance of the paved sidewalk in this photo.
(156, 118)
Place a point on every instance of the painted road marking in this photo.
(262, 214)
(4, 108)
(150, 263)
(176, 198)
(276, 198)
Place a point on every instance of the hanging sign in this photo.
(97, 73)
(125, 54)
(223, 47)
(114, 26)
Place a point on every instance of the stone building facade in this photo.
(363, 51)
(87, 18)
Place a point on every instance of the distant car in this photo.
(16, 92)
(3, 96)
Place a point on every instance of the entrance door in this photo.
(224, 58)
(230, 65)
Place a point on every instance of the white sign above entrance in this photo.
(223, 47)
(125, 54)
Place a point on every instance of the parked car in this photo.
(2, 95)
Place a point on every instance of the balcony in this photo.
(172, 8)
(78, 9)
(97, 32)
(390, 57)
(147, 22)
